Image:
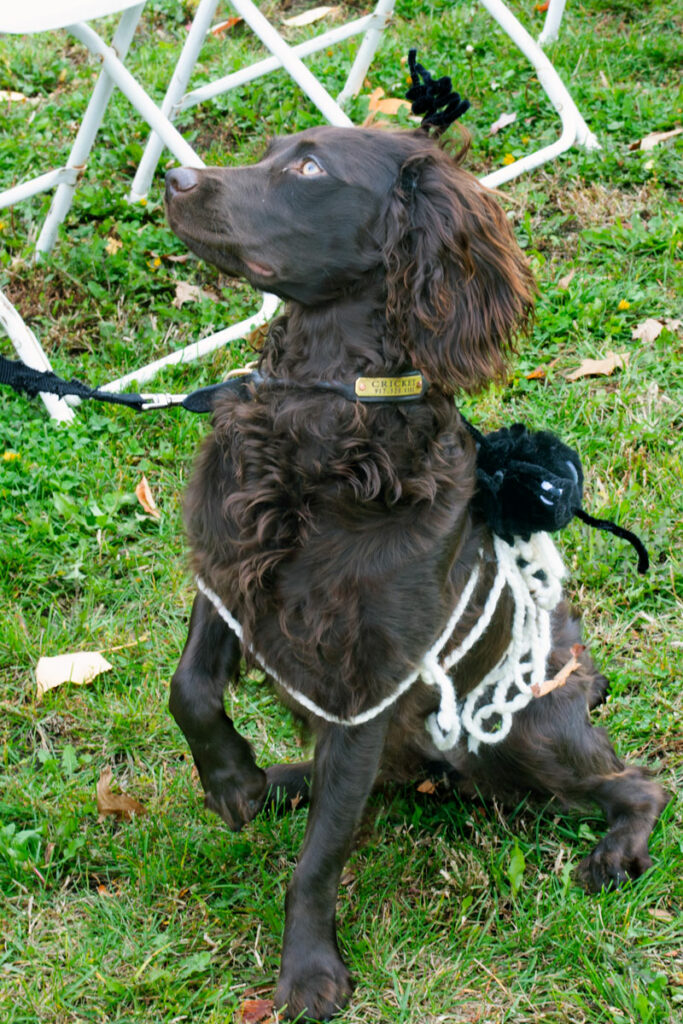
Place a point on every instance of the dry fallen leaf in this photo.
(502, 122)
(80, 667)
(348, 877)
(648, 330)
(256, 1011)
(600, 367)
(186, 292)
(121, 804)
(565, 281)
(9, 96)
(143, 493)
(388, 105)
(224, 26)
(649, 142)
(540, 689)
(426, 787)
(113, 245)
(540, 372)
(671, 324)
(309, 17)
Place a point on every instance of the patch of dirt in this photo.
(43, 298)
(594, 205)
(37, 294)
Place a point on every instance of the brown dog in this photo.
(335, 538)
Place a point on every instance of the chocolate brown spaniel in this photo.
(336, 540)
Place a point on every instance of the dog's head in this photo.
(335, 211)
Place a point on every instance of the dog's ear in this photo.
(459, 287)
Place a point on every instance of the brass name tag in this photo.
(389, 387)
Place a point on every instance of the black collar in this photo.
(408, 387)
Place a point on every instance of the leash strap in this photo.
(409, 387)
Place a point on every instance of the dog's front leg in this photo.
(233, 784)
(313, 977)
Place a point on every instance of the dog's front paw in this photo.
(236, 798)
(615, 860)
(318, 987)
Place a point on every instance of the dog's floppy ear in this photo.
(458, 285)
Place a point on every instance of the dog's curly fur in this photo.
(340, 534)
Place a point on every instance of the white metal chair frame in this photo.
(114, 73)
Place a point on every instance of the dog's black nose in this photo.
(181, 179)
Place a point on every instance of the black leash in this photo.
(23, 378)
(408, 387)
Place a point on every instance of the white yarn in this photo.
(532, 571)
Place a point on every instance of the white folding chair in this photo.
(574, 130)
(42, 15)
(32, 16)
(284, 56)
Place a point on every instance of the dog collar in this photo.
(407, 387)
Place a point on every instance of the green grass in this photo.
(449, 912)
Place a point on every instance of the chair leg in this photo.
(174, 93)
(198, 348)
(63, 197)
(367, 49)
(29, 349)
(135, 94)
(291, 63)
(574, 128)
(552, 22)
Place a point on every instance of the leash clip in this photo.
(160, 401)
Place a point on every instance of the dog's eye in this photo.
(310, 167)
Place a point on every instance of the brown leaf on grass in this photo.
(10, 96)
(502, 122)
(348, 877)
(113, 245)
(143, 493)
(379, 104)
(652, 328)
(80, 667)
(540, 689)
(565, 281)
(541, 371)
(427, 787)
(186, 292)
(256, 1011)
(648, 330)
(600, 367)
(649, 142)
(224, 26)
(120, 804)
(309, 17)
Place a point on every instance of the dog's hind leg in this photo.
(553, 748)
(233, 784)
(313, 979)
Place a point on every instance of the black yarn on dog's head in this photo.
(433, 98)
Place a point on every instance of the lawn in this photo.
(449, 912)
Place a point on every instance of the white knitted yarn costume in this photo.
(532, 571)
